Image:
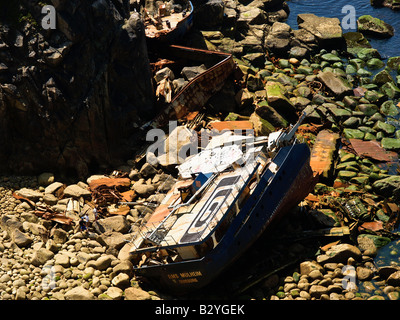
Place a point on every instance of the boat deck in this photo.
(175, 224)
(168, 23)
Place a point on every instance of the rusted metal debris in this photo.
(108, 192)
(45, 212)
(49, 214)
(372, 149)
(21, 198)
(110, 183)
(242, 125)
(321, 160)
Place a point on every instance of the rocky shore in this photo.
(348, 93)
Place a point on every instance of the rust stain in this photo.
(372, 149)
(321, 159)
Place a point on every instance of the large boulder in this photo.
(327, 31)
(339, 254)
(209, 14)
(276, 97)
(335, 83)
(371, 26)
(79, 293)
(40, 256)
(388, 187)
(278, 39)
(116, 223)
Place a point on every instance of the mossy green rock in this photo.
(388, 108)
(367, 109)
(331, 57)
(353, 134)
(368, 53)
(375, 63)
(369, 25)
(394, 63)
(390, 90)
(388, 187)
(390, 143)
(385, 127)
(346, 175)
(382, 77)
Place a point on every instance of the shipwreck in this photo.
(167, 21)
(226, 196)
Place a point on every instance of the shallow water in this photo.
(333, 9)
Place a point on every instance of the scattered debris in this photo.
(322, 153)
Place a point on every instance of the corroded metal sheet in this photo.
(321, 160)
(231, 125)
(372, 149)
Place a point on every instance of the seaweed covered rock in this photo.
(371, 26)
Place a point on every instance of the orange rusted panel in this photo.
(231, 125)
(321, 160)
(110, 183)
(372, 149)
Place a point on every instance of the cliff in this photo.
(71, 98)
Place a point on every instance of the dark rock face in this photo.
(71, 98)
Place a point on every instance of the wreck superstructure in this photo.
(167, 21)
(225, 198)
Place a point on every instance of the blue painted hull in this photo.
(271, 199)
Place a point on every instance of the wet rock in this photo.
(353, 133)
(327, 31)
(339, 253)
(277, 99)
(364, 273)
(388, 187)
(382, 77)
(394, 279)
(371, 26)
(268, 113)
(261, 127)
(385, 271)
(390, 143)
(339, 86)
